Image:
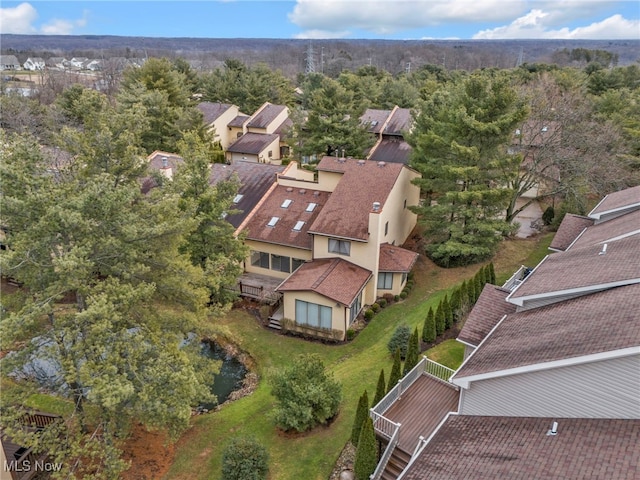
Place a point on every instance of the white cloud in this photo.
(18, 19)
(390, 16)
(320, 34)
(535, 24)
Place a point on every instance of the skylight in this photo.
(273, 221)
(299, 226)
(286, 203)
(311, 207)
(237, 198)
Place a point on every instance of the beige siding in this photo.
(222, 132)
(604, 389)
(339, 316)
(327, 181)
(276, 250)
(233, 157)
(399, 218)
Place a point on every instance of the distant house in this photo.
(9, 62)
(34, 63)
(549, 385)
(56, 62)
(93, 65)
(388, 127)
(78, 63)
(217, 118)
(332, 244)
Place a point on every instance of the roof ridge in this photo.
(333, 264)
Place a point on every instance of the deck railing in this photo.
(383, 425)
(384, 459)
(437, 370)
(516, 279)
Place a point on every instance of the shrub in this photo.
(362, 412)
(429, 330)
(368, 314)
(413, 349)
(381, 389)
(245, 459)
(396, 370)
(399, 340)
(396, 298)
(382, 302)
(350, 334)
(375, 307)
(547, 216)
(403, 295)
(306, 395)
(367, 451)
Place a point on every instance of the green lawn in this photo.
(356, 365)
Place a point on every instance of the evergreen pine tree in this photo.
(455, 304)
(492, 274)
(448, 314)
(486, 274)
(381, 389)
(367, 451)
(471, 293)
(478, 285)
(396, 370)
(429, 333)
(440, 321)
(413, 349)
(361, 414)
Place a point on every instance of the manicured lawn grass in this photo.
(356, 365)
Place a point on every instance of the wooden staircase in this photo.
(273, 323)
(397, 463)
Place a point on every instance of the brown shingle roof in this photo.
(238, 121)
(264, 117)
(613, 201)
(596, 323)
(571, 226)
(399, 122)
(487, 312)
(473, 447)
(252, 143)
(396, 259)
(583, 267)
(255, 179)
(346, 214)
(333, 278)
(212, 111)
(282, 232)
(375, 118)
(605, 231)
(391, 150)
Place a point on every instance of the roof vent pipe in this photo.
(554, 429)
(604, 249)
(376, 206)
(165, 162)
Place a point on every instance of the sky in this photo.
(328, 19)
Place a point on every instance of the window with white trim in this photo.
(341, 247)
(385, 280)
(313, 315)
(356, 306)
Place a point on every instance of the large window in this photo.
(296, 263)
(313, 315)
(385, 280)
(260, 259)
(280, 263)
(355, 309)
(341, 247)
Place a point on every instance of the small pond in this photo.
(232, 373)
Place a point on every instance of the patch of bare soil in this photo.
(150, 454)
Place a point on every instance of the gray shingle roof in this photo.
(470, 448)
(611, 229)
(211, 111)
(600, 322)
(252, 143)
(264, 117)
(487, 312)
(613, 201)
(571, 226)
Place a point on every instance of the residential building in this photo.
(388, 127)
(217, 117)
(260, 137)
(9, 62)
(34, 63)
(549, 387)
(332, 243)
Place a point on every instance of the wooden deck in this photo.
(259, 287)
(421, 408)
